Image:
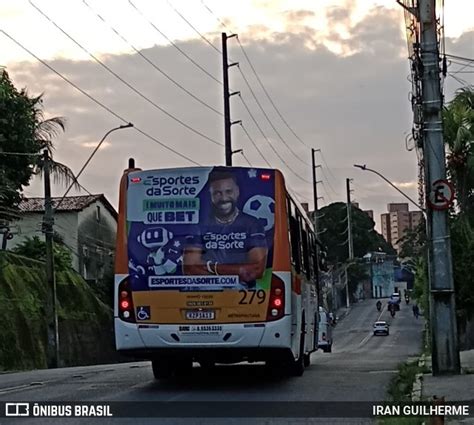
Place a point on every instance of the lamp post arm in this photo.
(363, 167)
(89, 160)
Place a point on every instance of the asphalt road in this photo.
(359, 369)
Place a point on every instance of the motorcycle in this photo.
(407, 300)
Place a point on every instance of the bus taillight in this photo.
(276, 304)
(125, 302)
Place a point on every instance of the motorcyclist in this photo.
(379, 305)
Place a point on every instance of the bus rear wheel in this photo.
(297, 366)
(162, 368)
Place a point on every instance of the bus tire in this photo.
(183, 367)
(297, 366)
(307, 360)
(162, 368)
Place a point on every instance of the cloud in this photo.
(406, 185)
(353, 106)
(94, 144)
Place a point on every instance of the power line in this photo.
(130, 86)
(255, 145)
(268, 141)
(260, 82)
(268, 119)
(103, 106)
(269, 97)
(174, 44)
(156, 67)
(459, 57)
(194, 28)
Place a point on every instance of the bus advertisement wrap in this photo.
(200, 229)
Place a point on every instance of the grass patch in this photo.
(399, 392)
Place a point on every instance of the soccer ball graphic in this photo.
(263, 209)
(155, 237)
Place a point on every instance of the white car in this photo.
(381, 328)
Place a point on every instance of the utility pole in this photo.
(349, 237)
(315, 219)
(51, 303)
(349, 220)
(444, 341)
(227, 95)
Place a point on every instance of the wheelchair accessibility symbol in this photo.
(143, 313)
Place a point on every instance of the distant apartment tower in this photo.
(397, 221)
(370, 213)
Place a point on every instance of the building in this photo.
(397, 221)
(86, 224)
(370, 213)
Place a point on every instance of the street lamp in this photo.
(364, 168)
(48, 229)
(89, 160)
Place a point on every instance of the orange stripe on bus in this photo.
(281, 251)
(121, 254)
(297, 284)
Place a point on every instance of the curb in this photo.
(344, 314)
(416, 392)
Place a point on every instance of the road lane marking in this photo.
(20, 387)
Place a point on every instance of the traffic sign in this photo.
(441, 195)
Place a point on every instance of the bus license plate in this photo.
(200, 315)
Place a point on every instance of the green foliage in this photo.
(356, 273)
(458, 123)
(399, 392)
(36, 248)
(85, 323)
(23, 129)
(17, 134)
(366, 239)
(462, 247)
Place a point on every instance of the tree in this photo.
(458, 123)
(333, 223)
(24, 129)
(36, 248)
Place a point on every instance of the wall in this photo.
(65, 224)
(85, 323)
(383, 279)
(96, 242)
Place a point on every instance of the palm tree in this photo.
(458, 121)
(45, 131)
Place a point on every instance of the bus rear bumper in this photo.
(255, 339)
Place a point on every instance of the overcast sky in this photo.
(336, 70)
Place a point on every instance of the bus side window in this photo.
(305, 243)
(294, 236)
(312, 256)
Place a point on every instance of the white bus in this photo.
(214, 265)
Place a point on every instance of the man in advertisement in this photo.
(229, 242)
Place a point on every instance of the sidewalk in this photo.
(452, 388)
(342, 312)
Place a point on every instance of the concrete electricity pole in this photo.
(349, 220)
(51, 303)
(349, 237)
(227, 95)
(445, 349)
(315, 189)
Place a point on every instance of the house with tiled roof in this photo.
(87, 225)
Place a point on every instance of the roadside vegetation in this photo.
(458, 122)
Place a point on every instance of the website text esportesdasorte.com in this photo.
(179, 281)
